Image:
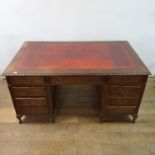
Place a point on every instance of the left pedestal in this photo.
(31, 96)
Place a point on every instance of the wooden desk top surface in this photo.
(76, 58)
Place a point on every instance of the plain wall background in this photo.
(59, 20)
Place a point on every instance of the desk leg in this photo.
(19, 116)
(52, 119)
(135, 116)
(102, 118)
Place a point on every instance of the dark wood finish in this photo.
(122, 101)
(122, 95)
(79, 79)
(39, 66)
(31, 102)
(126, 80)
(27, 81)
(119, 109)
(32, 110)
(124, 91)
(28, 91)
(50, 90)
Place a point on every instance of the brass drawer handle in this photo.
(29, 80)
(125, 79)
(29, 102)
(122, 101)
(124, 92)
(27, 92)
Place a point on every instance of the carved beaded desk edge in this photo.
(112, 65)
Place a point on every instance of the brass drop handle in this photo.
(29, 80)
(125, 79)
(122, 101)
(124, 92)
(27, 91)
(29, 102)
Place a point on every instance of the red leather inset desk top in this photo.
(73, 57)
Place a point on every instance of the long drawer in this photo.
(27, 80)
(29, 91)
(117, 101)
(31, 101)
(124, 91)
(119, 109)
(77, 79)
(32, 110)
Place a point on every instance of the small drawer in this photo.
(32, 110)
(120, 91)
(31, 102)
(27, 80)
(28, 91)
(119, 109)
(122, 101)
(127, 80)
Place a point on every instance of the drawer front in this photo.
(31, 101)
(77, 79)
(123, 101)
(27, 80)
(114, 91)
(119, 109)
(32, 110)
(127, 80)
(29, 91)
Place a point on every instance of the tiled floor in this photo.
(77, 135)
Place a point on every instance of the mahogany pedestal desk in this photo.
(39, 67)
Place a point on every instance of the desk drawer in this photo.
(27, 80)
(31, 101)
(119, 109)
(127, 91)
(122, 101)
(28, 91)
(127, 80)
(77, 79)
(32, 110)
